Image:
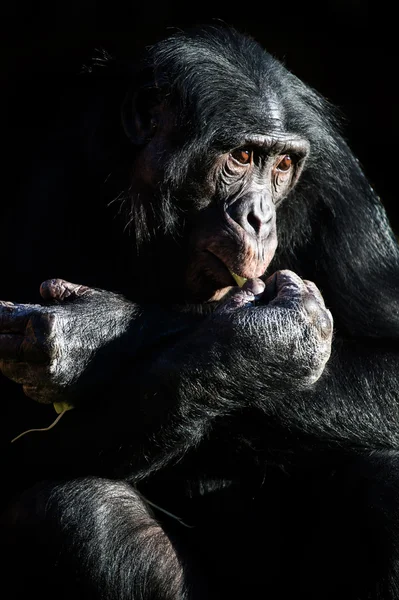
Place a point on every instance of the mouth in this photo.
(221, 273)
(211, 278)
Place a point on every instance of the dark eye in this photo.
(242, 155)
(284, 164)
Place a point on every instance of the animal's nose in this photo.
(254, 215)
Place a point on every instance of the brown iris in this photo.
(242, 156)
(284, 164)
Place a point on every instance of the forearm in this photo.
(226, 366)
(346, 404)
(67, 350)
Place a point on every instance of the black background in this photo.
(346, 49)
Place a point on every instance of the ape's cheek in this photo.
(270, 248)
(207, 277)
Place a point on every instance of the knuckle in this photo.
(61, 290)
(317, 313)
(289, 287)
(285, 276)
(325, 324)
(10, 370)
(35, 392)
(319, 317)
(51, 322)
(238, 299)
(312, 288)
(52, 287)
(311, 306)
(43, 323)
(283, 287)
(38, 342)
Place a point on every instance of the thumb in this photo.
(61, 290)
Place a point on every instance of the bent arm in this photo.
(176, 379)
(67, 350)
(357, 400)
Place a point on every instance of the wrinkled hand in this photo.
(259, 345)
(46, 349)
(282, 330)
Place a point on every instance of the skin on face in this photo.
(237, 232)
(230, 216)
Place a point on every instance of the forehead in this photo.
(238, 102)
(228, 86)
(258, 119)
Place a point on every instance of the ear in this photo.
(140, 114)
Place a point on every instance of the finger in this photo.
(314, 290)
(288, 287)
(38, 393)
(238, 298)
(313, 300)
(316, 309)
(61, 290)
(14, 317)
(255, 286)
(288, 280)
(19, 372)
(18, 348)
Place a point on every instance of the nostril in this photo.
(255, 222)
(258, 223)
(253, 216)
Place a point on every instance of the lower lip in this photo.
(222, 270)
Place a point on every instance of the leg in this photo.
(89, 538)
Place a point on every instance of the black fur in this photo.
(206, 456)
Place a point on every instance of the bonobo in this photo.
(221, 444)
